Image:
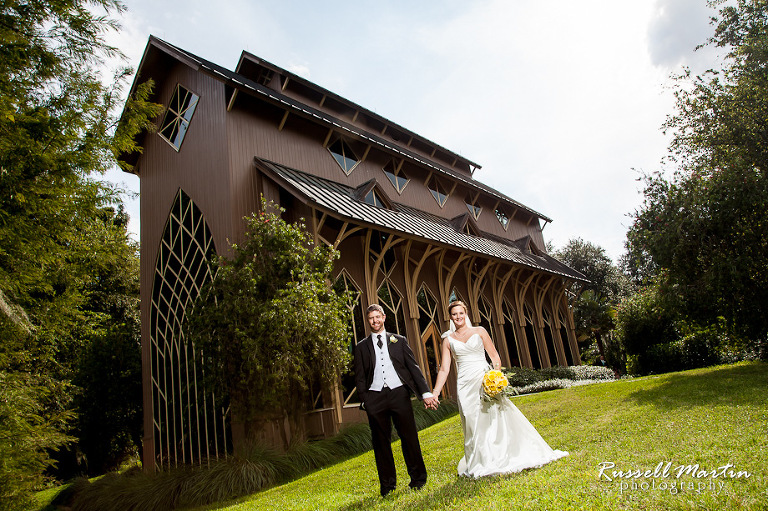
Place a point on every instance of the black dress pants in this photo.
(384, 408)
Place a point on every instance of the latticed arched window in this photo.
(530, 335)
(389, 297)
(549, 337)
(509, 333)
(345, 285)
(486, 315)
(389, 261)
(486, 321)
(564, 338)
(428, 313)
(429, 330)
(392, 302)
(189, 424)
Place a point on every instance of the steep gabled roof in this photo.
(159, 53)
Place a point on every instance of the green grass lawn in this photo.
(711, 417)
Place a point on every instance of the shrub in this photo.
(687, 346)
(592, 373)
(271, 301)
(643, 320)
(28, 431)
(524, 380)
(657, 358)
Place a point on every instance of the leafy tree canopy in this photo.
(605, 280)
(593, 302)
(64, 250)
(703, 233)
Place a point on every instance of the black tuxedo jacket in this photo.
(402, 359)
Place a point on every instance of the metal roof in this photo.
(340, 201)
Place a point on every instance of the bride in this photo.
(498, 439)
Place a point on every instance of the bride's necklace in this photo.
(459, 334)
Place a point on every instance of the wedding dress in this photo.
(498, 439)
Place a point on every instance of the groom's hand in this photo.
(431, 402)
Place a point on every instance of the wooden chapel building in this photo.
(413, 227)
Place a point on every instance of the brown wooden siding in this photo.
(163, 170)
(254, 132)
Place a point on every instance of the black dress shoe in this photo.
(387, 491)
(417, 486)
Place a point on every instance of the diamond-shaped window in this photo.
(503, 218)
(474, 210)
(396, 176)
(177, 116)
(438, 192)
(344, 155)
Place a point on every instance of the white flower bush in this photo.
(530, 381)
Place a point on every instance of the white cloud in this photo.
(676, 28)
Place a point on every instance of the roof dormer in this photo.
(372, 193)
(464, 223)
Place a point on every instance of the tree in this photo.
(705, 229)
(58, 134)
(646, 329)
(593, 302)
(270, 322)
(28, 432)
(108, 372)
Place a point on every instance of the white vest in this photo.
(384, 374)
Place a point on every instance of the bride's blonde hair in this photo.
(457, 303)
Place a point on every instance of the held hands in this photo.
(431, 402)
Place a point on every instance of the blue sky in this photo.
(560, 102)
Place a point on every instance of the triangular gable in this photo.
(466, 224)
(372, 185)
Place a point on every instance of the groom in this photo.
(386, 373)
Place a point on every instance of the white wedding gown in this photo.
(498, 439)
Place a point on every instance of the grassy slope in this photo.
(710, 416)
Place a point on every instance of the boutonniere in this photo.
(392, 339)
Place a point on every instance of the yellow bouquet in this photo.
(494, 384)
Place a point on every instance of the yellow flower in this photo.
(392, 338)
(494, 382)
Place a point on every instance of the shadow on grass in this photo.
(735, 385)
(461, 488)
